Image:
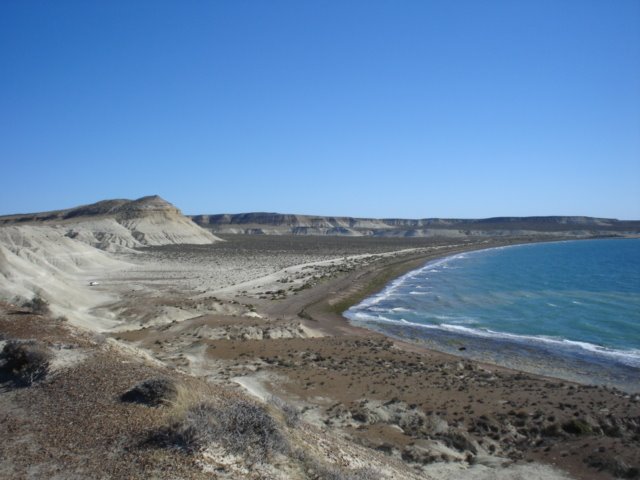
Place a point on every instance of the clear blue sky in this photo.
(367, 108)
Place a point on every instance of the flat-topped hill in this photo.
(279, 224)
(118, 224)
(115, 207)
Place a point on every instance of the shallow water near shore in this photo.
(566, 309)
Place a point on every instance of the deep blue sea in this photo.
(573, 297)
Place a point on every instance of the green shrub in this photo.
(577, 427)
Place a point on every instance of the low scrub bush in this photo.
(577, 427)
(37, 305)
(191, 433)
(152, 392)
(241, 427)
(336, 473)
(290, 413)
(24, 363)
(317, 470)
(359, 474)
(246, 427)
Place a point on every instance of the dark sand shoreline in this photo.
(579, 366)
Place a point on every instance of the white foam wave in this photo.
(627, 357)
(432, 266)
(392, 287)
(458, 320)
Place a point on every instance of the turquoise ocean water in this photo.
(575, 299)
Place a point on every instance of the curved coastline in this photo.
(325, 304)
(568, 360)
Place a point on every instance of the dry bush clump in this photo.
(247, 427)
(290, 413)
(193, 432)
(335, 473)
(152, 392)
(24, 363)
(321, 471)
(37, 305)
(241, 427)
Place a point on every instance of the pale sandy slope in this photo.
(37, 260)
(57, 254)
(118, 225)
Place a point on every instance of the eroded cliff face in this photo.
(55, 255)
(283, 224)
(115, 225)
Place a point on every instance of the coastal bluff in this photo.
(260, 223)
(114, 225)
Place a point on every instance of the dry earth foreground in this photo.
(135, 344)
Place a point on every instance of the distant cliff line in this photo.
(144, 216)
(260, 223)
